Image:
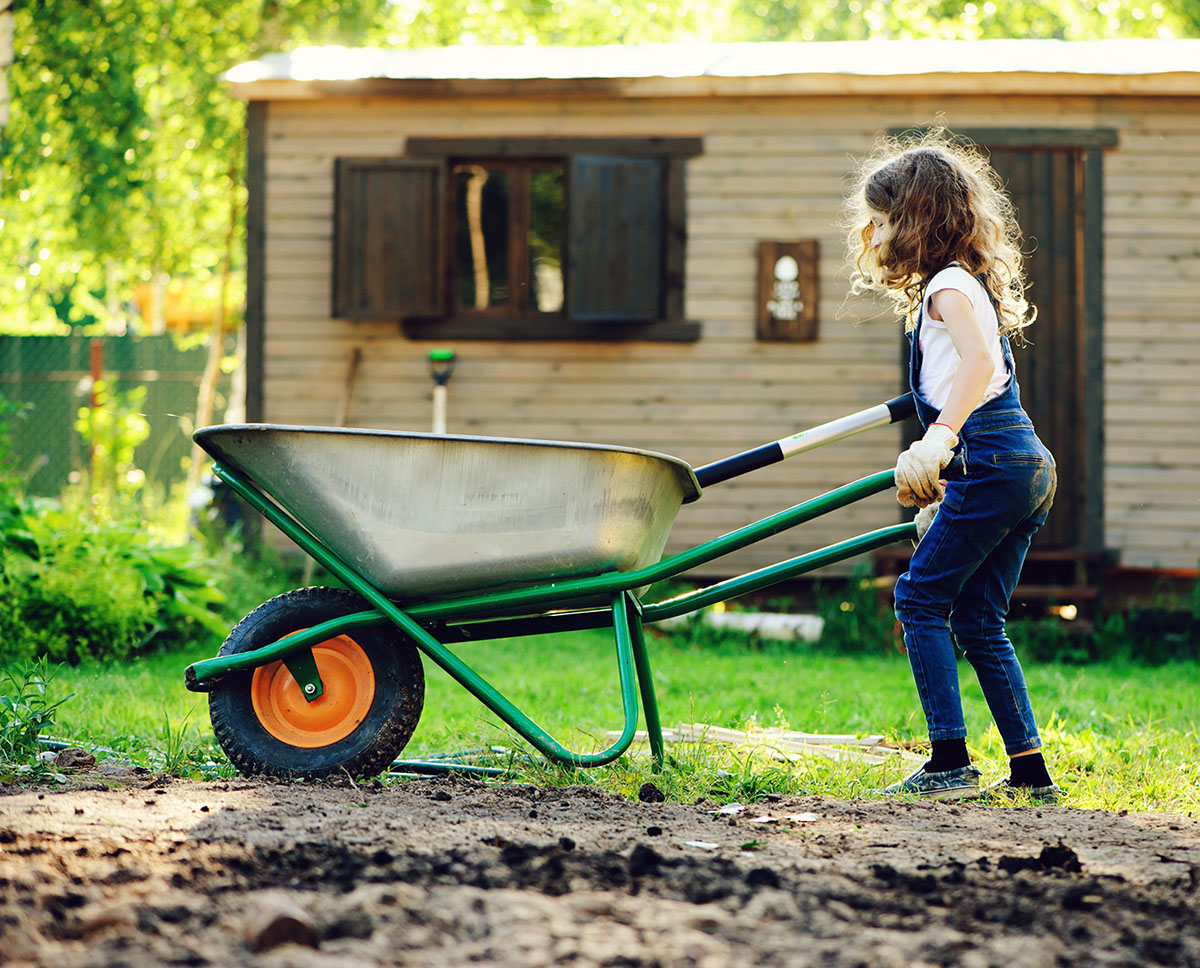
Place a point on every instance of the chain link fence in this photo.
(76, 395)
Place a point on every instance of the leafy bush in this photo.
(25, 711)
(9, 480)
(1050, 639)
(113, 427)
(84, 577)
(858, 619)
(1160, 634)
(1148, 635)
(74, 608)
(76, 589)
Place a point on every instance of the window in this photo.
(509, 237)
(516, 239)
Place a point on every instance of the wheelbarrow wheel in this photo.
(374, 690)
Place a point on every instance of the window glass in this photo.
(482, 201)
(547, 221)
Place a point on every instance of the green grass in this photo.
(1116, 736)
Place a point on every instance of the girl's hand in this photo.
(925, 518)
(919, 469)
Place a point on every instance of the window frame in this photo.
(519, 265)
(511, 324)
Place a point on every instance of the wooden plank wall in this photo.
(1152, 336)
(771, 169)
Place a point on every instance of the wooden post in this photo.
(96, 372)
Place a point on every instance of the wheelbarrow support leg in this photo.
(303, 667)
(641, 662)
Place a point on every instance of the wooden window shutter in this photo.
(615, 239)
(388, 238)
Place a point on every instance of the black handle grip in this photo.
(738, 464)
(902, 407)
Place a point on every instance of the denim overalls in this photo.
(963, 572)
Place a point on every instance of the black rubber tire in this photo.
(378, 739)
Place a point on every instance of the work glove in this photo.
(919, 469)
(925, 518)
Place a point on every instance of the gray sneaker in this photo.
(960, 784)
(1002, 791)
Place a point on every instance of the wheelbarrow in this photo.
(446, 539)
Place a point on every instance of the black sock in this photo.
(948, 754)
(1029, 771)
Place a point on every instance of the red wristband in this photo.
(938, 423)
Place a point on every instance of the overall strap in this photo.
(1005, 348)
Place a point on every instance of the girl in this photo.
(933, 229)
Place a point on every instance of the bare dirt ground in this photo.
(146, 871)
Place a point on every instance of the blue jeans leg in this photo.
(934, 667)
(923, 606)
(968, 564)
(977, 621)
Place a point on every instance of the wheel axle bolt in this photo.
(309, 688)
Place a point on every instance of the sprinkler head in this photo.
(441, 365)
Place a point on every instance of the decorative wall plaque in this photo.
(787, 291)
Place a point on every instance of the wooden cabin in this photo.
(595, 233)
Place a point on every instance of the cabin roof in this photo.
(1134, 66)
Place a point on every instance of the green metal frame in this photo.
(546, 608)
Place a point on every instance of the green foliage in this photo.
(26, 712)
(85, 577)
(123, 151)
(138, 712)
(1163, 629)
(73, 601)
(432, 23)
(1150, 635)
(858, 619)
(1117, 735)
(10, 482)
(903, 19)
(113, 426)
(78, 587)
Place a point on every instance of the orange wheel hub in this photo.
(349, 682)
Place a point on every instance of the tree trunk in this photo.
(216, 347)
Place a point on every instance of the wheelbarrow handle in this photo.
(750, 460)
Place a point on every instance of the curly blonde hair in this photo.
(946, 204)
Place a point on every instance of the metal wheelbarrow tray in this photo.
(424, 515)
(447, 539)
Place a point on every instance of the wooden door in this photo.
(1047, 188)
(1055, 178)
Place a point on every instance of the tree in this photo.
(436, 22)
(1188, 12)
(975, 19)
(123, 151)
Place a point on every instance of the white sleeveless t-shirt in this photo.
(939, 358)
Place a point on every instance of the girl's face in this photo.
(881, 228)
